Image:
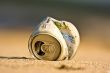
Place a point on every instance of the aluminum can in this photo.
(54, 40)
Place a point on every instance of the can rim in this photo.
(31, 50)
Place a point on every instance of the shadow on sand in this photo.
(3, 57)
(65, 67)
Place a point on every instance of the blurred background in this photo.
(18, 18)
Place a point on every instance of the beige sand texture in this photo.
(93, 56)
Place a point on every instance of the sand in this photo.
(92, 56)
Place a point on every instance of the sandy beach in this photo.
(16, 58)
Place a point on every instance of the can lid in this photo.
(46, 47)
